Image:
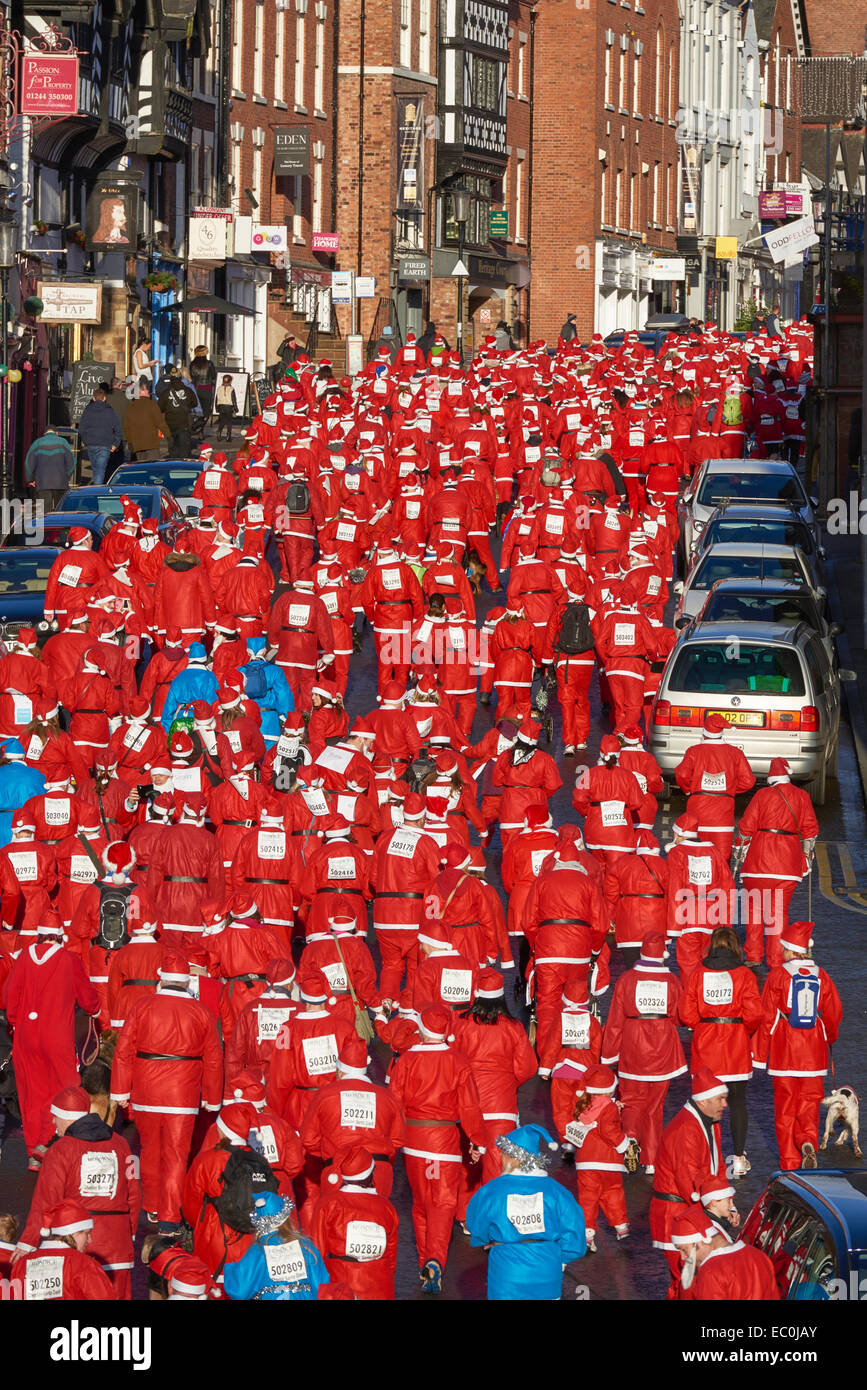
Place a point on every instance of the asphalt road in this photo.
(631, 1269)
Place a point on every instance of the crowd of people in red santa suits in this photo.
(264, 844)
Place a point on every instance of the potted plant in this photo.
(39, 228)
(75, 236)
(162, 282)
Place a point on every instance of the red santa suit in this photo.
(239, 955)
(735, 1273)
(435, 1088)
(306, 1051)
(133, 971)
(712, 774)
(720, 1003)
(351, 1110)
(801, 1016)
(404, 865)
(600, 1140)
(214, 1242)
(641, 1041)
(264, 866)
(44, 985)
(392, 600)
(356, 1231)
(700, 894)
(337, 867)
(528, 777)
(690, 1151)
(75, 572)
(56, 1273)
(301, 630)
(186, 871)
(167, 1063)
(610, 800)
(572, 1044)
(260, 1023)
(566, 925)
(635, 887)
(523, 862)
(625, 644)
(777, 824)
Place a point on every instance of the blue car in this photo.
(24, 572)
(177, 475)
(54, 531)
(155, 502)
(813, 1226)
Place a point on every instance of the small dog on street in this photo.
(842, 1106)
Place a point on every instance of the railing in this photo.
(313, 332)
(381, 319)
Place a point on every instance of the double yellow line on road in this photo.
(848, 896)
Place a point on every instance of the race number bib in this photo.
(624, 634)
(713, 782)
(526, 1212)
(700, 870)
(554, 524)
(234, 740)
(450, 523)
(341, 868)
(650, 528)
(642, 781)
(391, 580)
(651, 997)
(256, 483)
(654, 584)
(537, 859)
(81, 869)
(70, 575)
(412, 510)
(316, 801)
(187, 779)
(212, 482)
(270, 1152)
(346, 806)
(43, 1278)
(23, 708)
(34, 748)
(456, 986)
(24, 866)
(286, 1263)
(336, 977)
(332, 603)
(287, 747)
(612, 813)
(135, 736)
(55, 810)
(532, 453)
(271, 844)
(636, 439)
(365, 1240)
(98, 1176)
(576, 1132)
(717, 987)
(455, 388)
(346, 531)
(575, 1030)
(270, 1021)
(320, 1054)
(357, 1109)
(457, 639)
(573, 420)
(402, 844)
(299, 614)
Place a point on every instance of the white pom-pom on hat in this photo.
(334, 1176)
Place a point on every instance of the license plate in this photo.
(746, 718)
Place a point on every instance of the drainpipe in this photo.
(335, 40)
(533, 14)
(361, 133)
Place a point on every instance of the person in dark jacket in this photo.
(427, 339)
(203, 375)
(100, 431)
(48, 467)
(177, 402)
(569, 329)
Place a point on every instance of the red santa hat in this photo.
(139, 707)
(316, 990)
(575, 991)
(189, 1277)
(538, 818)
(414, 807)
(609, 746)
(529, 731)
(714, 1190)
(352, 1058)
(71, 1103)
(77, 535)
(23, 819)
(436, 1022)
(798, 937)
(686, 826)
(630, 737)
(653, 948)
(342, 921)
(646, 844)
(705, 1085)
(235, 1122)
(693, 1228)
(180, 744)
(715, 726)
(242, 906)
(355, 1165)
(280, 973)
(49, 924)
(174, 968)
(778, 772)
(118, 858)
(362, 728)
(437, 806)
(26, 639)
(435, 935)
(490, 984)
(337, 828)
(65, 1219)
(600, 1081)
(457, 856)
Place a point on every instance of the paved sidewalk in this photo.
(843, 579)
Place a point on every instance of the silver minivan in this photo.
(774, 684)
(738, 481)
(781, 563)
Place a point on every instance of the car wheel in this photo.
(817, 786)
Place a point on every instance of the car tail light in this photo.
(662, 712)
(809, 719)
(785, 721)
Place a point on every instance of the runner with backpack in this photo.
(574, 662)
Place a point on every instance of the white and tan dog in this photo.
(842, 1105)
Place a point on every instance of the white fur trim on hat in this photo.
(720, 1090)
(718, 1194)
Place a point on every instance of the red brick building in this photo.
(605, 161)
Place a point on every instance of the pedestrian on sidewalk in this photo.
(143, 426)
(49, 465)
(100, 431)
(226, 403)
(203, 375)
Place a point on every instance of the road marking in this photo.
(838, 896)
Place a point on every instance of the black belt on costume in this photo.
(642, 1017)
(566, 922)
(281, 881)
(166, 1057)
(669, 1197)
(399, 895)
(182, 878)
(138, 982)
(355, 891)
(247, 823)
(763, 831)
(246, 979)
(642, 895)
(391, 602)
(711, 1019)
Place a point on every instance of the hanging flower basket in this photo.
(162, 281)
(75, 238)
(39, 228)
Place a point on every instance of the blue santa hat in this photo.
(255, 645)
(12, 748)
(270, 1210)
(197, 652)
(527, 1144)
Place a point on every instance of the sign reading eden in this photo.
(291, 150)
(49, 84)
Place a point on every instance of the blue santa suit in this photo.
(526, 1259)
(250, 1276)
(193, 683)
(278, 701)
(18, 783)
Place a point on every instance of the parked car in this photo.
(775, 685)
(742, 481)
(813, 1227)
(767, 601)
(55, 529)
(155, 502)
(774, 523)
(177, 475)
(745, 560)
(24, 572)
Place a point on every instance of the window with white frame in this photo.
(236, 175)
(655, 192)
(519, 198)
(316, 217)
(237, 45)
(603, 195)
(657, 75)
(405, 34)
(788, 81)
(522, 49)
(424, 14)
(608, 72)
(633, 200)
(622, 80)
(259, 50)
(618, 194)
(777, 69)
(668, 196)
(297, 219)
(636, 81)
(319, 66)
(300, 35)
(671, 91)
(280, 55)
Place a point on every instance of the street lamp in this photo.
(8, 248)
(461, 213)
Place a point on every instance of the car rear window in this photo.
(24, 574)
(179, 481)
(737, 668)
(107, 503)
(767, 487)
(759, 608)
(738, 531)
(714, 567)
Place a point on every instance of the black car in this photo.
(813, 1226)
(177, 475)
(55, 530)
